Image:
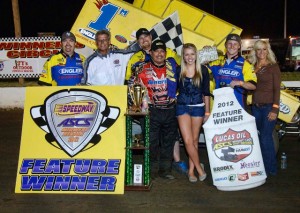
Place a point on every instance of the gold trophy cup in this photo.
(136, 93)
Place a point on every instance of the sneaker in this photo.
(180, 167)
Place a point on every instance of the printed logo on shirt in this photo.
(70, 71)
(228, 72)
(238, 67)
(117, 62)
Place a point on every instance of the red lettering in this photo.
(38, 45)
(32, 54)
(12, 54)
(25, 45)
(45, 53)
(6, 46)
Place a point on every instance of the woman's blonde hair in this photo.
(259, 45)
(198, 74)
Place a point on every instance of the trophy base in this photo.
(138, 187)
(133, 112)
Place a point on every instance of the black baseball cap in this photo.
(234, 37)
(68, 34)
(158, 44)
(141, 31)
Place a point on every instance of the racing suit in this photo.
(62, 70)
(161, 85)
(141, 56)
(225, 70)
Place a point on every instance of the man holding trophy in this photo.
(158, 77)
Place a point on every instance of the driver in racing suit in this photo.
(64, 68)
(233, 70)
(158, 76)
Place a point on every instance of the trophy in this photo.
(137, 93)
(207, 54)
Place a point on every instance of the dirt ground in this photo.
(280, 193)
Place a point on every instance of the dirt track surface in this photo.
(279, 194)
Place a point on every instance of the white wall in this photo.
(12, 97)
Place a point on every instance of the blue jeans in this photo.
(193, 111)
(265, 128)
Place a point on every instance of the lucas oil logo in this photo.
(74, 118)
(232, 146)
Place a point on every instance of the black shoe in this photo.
(167, 176)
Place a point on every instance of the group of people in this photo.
(178, 90)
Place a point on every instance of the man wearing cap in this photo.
(105, 66)
(144, 39)
(233, 70)
(158, 76)
(64, 68)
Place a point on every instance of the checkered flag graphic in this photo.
(170, 31)
(110, 115)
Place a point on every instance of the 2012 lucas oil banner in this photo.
(73, 140)
(25, 57)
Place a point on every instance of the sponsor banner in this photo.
(74, 148)
(200, 22)
(24, 57)
(232, 144)
(288, 106)
(122, 20)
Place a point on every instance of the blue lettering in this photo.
(78, 183)
(32, 182)
(107, 13)
(50, 182)
(26, 165)
(108, 183)
(62, 183)
(66, 165)
(92, 184)
(39, 166)
(123, 12)
(53, 167)
(98, 167)
(82, 166)
(113, 166)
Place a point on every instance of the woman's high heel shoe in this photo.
(203, 177)
(192, 179)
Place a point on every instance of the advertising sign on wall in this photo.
(25, 57)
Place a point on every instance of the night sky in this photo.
(264, 18)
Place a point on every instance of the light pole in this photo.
(284, 25)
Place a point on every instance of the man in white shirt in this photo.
(105, 66)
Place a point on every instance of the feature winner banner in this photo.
(122, 20)
(73, 140)
(232, 144)
(24, 57)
